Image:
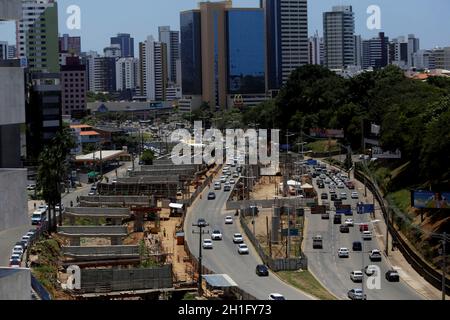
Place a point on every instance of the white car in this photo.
(217, 186)
(228, 220)
(343, 196)
(371, 270)
(343, 253)
(31, 187)
(26, 240)
(276, 296)
(17, 250)
(15, 256)
(367, 235)
(356, 276)
(223, 179)
(238, 238)
(349, 222)
(232, 181)
(207, 244)
(355, 195)
(375, 255)
(243, 249)
(216, 235)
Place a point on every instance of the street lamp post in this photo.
(200, 224)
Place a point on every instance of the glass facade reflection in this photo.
(191, 56)
(246, 51)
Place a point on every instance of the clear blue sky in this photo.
(101, 19)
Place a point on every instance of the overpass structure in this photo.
(116, 215)
(75, 233)
(114, 201)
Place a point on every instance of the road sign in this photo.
(343, 209)
(311, 162)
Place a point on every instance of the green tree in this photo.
(52, 170)
(147, 157)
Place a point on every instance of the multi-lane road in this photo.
(334, 272)
(224, 258)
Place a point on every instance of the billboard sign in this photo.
(326, 133)
(311, 162)
(365, 208)
(421, 199)
(379, 153)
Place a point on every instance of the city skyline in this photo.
(396, 20)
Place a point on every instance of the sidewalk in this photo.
(395, 258)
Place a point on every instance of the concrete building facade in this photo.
(172, 40)
(127, 74)
(73, 85)
(153, 69)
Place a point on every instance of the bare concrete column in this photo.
(75, 241)
(116, 241)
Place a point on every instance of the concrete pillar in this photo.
(276, 225)
(71, 220)
(116, 241)
(75, 241)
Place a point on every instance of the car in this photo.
(238, 238)
(370, 270)
(202, 223)
(276, 296)
(344, 229)
(343, 196)
(18, 249)
(317, 242)
(14, 264)
(91, 193)
(226, 188)
(114, 181)
(324, 196)
(217, 186)
(337, 219)
(350, 185)
(375, 255)
(223, 179)
(21, 244)
(355, 195)
(262, 270)
(31, 187)
(349, 222)
(327, 180)
(340, 185)
(243, 249)
(25, 240)
(130, 169)
(42, 208)
(321, 186)
(232, 181)
(343, 253)
(356, 276)
(356, 294)
(367, 235)
(363, 227)
(228, 220)
(332, 191)
(235, 175)
(216, 235)
(31, 233)
(15, 256)
(392, 276)
(326, 216)
(207, 244)
(211, 196)
(333, 197)
(357, 246)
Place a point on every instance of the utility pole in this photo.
(200, 224)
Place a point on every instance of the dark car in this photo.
(392, 276)
(337, 219)
(326, 216)
(324, 196)
(202, 222)
(333, 197)
(211, 196)
(344, 229)
(262, 270)
(357, 246)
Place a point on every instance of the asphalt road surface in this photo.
(334, 272)
(224, 258)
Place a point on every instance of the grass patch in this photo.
(402, 199)
(189, 296)
(323, 146)
(306, 282)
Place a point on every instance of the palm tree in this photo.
(52, 171)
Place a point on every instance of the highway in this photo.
(334, 272)
(224, 258)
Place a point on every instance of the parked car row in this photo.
(19, 249)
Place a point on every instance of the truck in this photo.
(317, 242)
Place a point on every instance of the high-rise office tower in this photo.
(287, 39)
(358, 51)
(153, 69)
(339, 31)
(398, 52)
(316, 54)
(37, 35)
(127, 74)
(71, 45)
(126, 43)
(113, 51)
(73, 87)
(413, 47)
(375, 52)
(102, 74)
(3, 50)
(172, 41)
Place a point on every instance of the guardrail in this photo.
(39, 289)
(419, 264)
